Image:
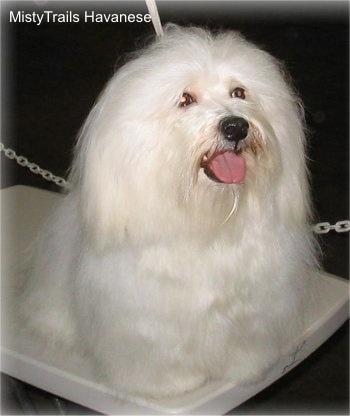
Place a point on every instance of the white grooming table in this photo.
(22, 209)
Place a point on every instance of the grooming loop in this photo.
(153, 11)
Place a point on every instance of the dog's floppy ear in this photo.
(287, 119)
(99, 175)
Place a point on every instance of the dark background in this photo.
(53, 73)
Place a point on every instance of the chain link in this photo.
(33, 167)
(326, 227)
(319, 228)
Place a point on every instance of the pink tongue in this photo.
(228, 167)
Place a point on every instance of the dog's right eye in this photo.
(186, 99)
(238, 93)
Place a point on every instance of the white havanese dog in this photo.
(182, 252)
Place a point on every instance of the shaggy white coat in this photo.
(162, 277)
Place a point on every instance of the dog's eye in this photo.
(186, 100)
(238, 93)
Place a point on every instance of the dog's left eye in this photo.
(238, 93)
(186, 99)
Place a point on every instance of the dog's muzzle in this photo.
(234, 129)
(228, 165)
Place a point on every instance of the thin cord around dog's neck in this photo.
(153, 11)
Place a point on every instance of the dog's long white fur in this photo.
(140, 268)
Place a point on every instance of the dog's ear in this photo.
(287, 120)
(101, 171)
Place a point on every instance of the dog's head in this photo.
(195, 131)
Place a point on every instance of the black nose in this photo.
(234, 129)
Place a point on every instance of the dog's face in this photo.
(194, 132)
(222, 123)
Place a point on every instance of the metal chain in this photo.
(33, 167)
(320, 228)
(325, 227)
